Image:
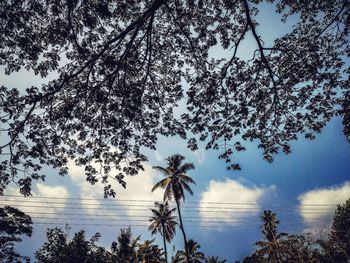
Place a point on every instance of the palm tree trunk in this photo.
(182, 229)
(164, 241)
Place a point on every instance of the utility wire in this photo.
(147, 217)
(121, 206)
(204, 221)
(226, 211)
(143, 205)
(145, 225)
(150, 201)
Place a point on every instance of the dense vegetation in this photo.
(116, 71)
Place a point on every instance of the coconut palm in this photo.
(269, 247)
(149, 252)
(194, 255)
(124, 250)
(175, 183)
(163, 222)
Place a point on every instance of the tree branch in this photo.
(261, 49)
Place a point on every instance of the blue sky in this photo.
(316, 172)
(313, 167)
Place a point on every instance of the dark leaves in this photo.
(119, 70)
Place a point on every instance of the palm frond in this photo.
(187, 188)
(175, 161)
(161, 169)
(186, 178)
(168, 193)
(185, 168)
(182, 194)
(161, 184)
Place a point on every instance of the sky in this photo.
(302, 188)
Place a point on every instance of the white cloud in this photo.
(137, 188)
(36, 207)
(52, 191)
(236, 201)
(318, 205)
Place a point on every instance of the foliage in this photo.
(341, 226)
(149, 252)
(163, 222)
(116, 70)
(337, 246)
(124, 250)
(214, 260)
(175, 183)
(59, 248)
(195, 256)
(176, 180)
(281, 247)
(299, 248)
(13, 224)
(269, 247)
(275, 247)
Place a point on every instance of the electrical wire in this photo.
(144, 200)
(227, 214)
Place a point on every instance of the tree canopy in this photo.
(13, 224)
(305, 247)
(60, 248)
(115, 72)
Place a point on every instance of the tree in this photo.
(337, 246)
(340, 232)
(116, 71)
(163, 222)
(148, 252)
(59, 248)
(270, 250)
(282, 247)
(194, 255)
(13, 224)
(300, 248)
(214, 260)
(124, 250)
(175, 184)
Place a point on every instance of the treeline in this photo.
(275, 246)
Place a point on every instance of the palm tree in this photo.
(124, 250)
(162, 221)
(269, 247)
(149, 252)
(174, 183)
(194, 255)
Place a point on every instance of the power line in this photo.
(144, 225)
(152, 201)
(225, 211)
(142, 205)
(204, 221)
(200, 221)
(147, 217)
(129, 218)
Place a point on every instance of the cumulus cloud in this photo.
(135, 200)
(229, 200)
(51, 191)
(318, 205)
(38, 207)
